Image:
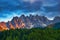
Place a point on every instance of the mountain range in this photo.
(28, 22)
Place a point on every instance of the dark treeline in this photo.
(31, 34)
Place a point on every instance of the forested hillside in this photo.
(31, 34)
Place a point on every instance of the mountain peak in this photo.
(57, 17)
(22, 15)
(31, 21)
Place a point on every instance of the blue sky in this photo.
(11, 8)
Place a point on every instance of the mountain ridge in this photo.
(28, 22)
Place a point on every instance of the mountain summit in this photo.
(28, 22)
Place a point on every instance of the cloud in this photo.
(25, 5)
(11, 8)
(49, 2)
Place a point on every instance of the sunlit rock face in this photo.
(3, 26)
(15, 21)
(18, 23)
(32, 21)
(11, 26)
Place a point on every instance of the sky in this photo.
(12, 8)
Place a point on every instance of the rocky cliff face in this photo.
(3, 26)
(28, 22)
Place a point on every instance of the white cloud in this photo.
(31, 1)
(49, 2)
